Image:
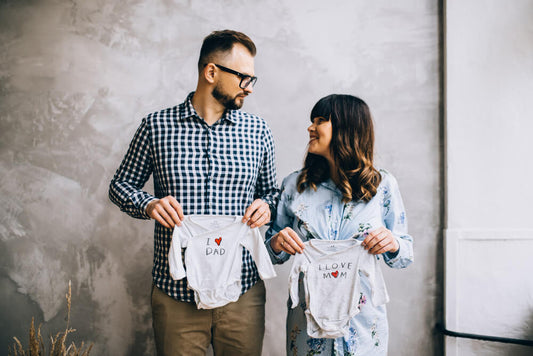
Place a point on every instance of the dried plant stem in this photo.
(57, 344)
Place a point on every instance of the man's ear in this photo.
(210, 73)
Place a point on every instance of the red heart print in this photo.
(335, 274)
(218, 241)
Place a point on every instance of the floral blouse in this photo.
(321, 214)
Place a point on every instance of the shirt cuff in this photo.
(276, 258)
(143, 206)
(401, 258)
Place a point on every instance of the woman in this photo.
(340, 195)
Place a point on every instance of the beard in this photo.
(227, 101)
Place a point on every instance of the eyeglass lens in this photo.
(246, 81)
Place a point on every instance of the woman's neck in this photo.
(333, 172)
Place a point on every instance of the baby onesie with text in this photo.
(332, 284)
(213, 257)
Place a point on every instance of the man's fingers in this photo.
(160, 209)
(171, 211)
(260, 217)
(251, 209)
(167, 211)
(255, 211)
(177, 207)
(159, 219)
(261, 221)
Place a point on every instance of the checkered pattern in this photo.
(210, 170)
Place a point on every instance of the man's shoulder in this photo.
(249, 119)
(162, 115)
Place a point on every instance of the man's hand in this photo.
(167, 211)
(257, 214)
(380, 241)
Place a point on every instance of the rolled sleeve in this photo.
(396, 221)
(267, 187)
(276, 258)
(283, 218)
(125, 189)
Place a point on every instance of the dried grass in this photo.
(58, 345)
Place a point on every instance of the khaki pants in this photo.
(234, 329)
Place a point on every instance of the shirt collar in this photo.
(329, 184)
(187, 110)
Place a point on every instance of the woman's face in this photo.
(320, 132)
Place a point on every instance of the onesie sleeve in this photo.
(393, 212)
(294, 275)
(284, 218)
(372, 270)
(253, 242)
(175, 262)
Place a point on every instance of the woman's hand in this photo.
(287, 240)
(380, 241)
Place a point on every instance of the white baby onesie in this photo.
(213, 257)
(332, 284)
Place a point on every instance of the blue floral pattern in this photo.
(316, 346)
(321, 214)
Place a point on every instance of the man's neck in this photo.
(207, 107)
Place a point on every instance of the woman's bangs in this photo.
(322, 108)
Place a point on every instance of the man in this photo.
(207, 158)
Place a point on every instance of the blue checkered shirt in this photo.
(211, 170)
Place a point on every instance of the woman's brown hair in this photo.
(352, 148)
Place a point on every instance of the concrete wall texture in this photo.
(76, 77)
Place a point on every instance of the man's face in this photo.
(227, 90)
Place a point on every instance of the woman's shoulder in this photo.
(291, 180)
(387, 179)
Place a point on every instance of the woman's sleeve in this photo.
(396, 221)
(282, 219)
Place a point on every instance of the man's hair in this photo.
(352, 148)
(222, 41)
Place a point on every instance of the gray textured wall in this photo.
(77, 76)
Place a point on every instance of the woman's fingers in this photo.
(287, 240)
(380, 241)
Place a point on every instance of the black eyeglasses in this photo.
(246, 79)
